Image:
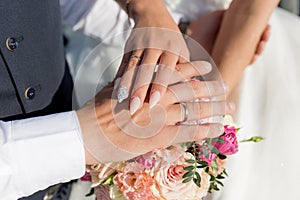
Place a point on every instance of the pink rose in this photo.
(211, 157)
(231, 145)
(168, 182)
(145, 160)
(134, 182)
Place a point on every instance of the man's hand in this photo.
(111, 134)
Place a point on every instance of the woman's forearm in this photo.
(136, 8)
(240, 32)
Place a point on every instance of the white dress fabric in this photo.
(268, 104)
(269, 107)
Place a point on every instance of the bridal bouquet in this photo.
(185, 171)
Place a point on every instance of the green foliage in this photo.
(215, 182)
(254, 139)
(109, 180)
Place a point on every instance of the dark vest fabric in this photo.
(32, 70)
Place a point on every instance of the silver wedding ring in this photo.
(185, 112)
(135, 56)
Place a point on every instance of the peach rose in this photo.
(134, 182)
(168, 181)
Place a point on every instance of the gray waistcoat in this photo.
(31, 55)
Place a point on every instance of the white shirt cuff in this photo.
(41, 152)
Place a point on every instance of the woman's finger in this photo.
(123, 65)
(162, 78)
(185, 71)
(128, 75)
(144, 76)
(194, 90)
(181, 73)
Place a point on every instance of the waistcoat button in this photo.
(29, 93)
(12, 43)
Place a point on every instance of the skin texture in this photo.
(106, 124)
(241, 30)
(205, 30)
(157, 47)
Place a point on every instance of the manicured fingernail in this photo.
(116, 84)
(134, 105)
(207, 66)
(154, 99)
(122, 93)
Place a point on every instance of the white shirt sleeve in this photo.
(38, 152)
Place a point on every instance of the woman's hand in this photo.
(155, 39)
(111, 134)
(205, 31)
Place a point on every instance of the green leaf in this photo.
(198, 178)
(189, 168)
(109, 180)
(189, 144)
(200, 162)
(214, 165)
(188, 174)
(205, 152)
(222, 157)
(253, 139)
(183, 144)
(224, 172)
(213, 149)
(220, 176)
(212, 178)
(197, 181)
(219, 140)
(191, 161)
(187, 180)
(220, 183)
(207, 169)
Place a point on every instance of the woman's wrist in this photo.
(140, 8)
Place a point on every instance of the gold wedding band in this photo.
(135, 56)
